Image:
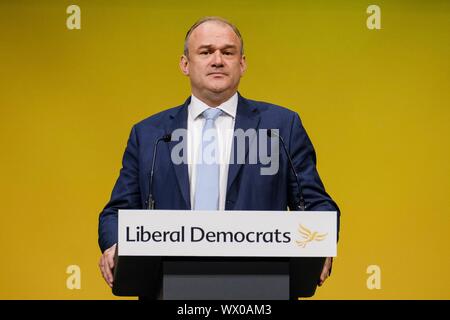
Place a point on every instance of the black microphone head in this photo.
(269, 133)
(167, 138)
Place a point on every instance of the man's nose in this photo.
(217, 59)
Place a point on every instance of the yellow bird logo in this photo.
(309, 236)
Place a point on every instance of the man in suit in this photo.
(214, 61)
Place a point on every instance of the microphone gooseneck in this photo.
(151, 201)
(301, 205)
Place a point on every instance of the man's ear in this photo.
(184, 65)
(243, 64)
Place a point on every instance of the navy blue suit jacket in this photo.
(247, 189)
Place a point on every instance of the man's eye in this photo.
(204, 52)
(228, 53)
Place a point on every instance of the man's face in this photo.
(214, 63)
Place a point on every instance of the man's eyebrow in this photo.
(209, 46)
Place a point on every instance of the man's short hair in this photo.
(216, 19)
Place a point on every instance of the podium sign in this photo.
(227, 233)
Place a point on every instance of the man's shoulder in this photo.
(270, 109)
(158, 120)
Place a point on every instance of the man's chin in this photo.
(219, 89)
(219, 86)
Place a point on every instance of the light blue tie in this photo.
(207, 183)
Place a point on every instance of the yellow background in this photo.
(375, 103)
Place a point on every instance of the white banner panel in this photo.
(227, 233)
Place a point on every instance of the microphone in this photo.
(151, 201)
(301, 204)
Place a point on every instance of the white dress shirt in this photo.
(225, 130)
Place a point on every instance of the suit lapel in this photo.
(179, 121)
(247, 117)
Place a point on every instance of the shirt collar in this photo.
(196, 107)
